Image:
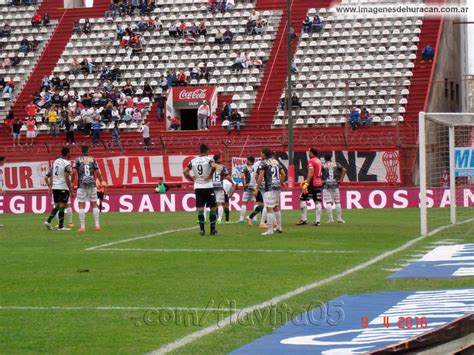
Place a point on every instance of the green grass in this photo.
(53, 269)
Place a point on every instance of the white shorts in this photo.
(220, 196)
(87, 194)
(271, 199)
(248, 196)
(30, 134)
(331, 195)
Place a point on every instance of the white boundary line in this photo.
(139, 238)
(437, 230)
(111, 308)
(234, 318)
(164, 250)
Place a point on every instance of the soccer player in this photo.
(259, 208)
(87, 172)
(220, 174)
(59, 184)
(312, 188)
(248, 181)
(271, 173)
(229, 189)
(2, 164)
(101, 187)
(333, 174)
(203, 168)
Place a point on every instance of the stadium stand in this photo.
(22, 43)
(259, 106)
(353, 61)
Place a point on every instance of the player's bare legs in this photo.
(82, 216)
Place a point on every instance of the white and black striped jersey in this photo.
(218, 177)
(58, 173)
(201, 167)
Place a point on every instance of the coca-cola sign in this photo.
(198, 94)
(192, 95)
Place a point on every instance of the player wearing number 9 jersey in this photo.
(272, 175)
(87, 171)
(203, 168)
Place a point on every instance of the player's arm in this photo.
(98, 176)
(259, 180)
(187, 173)
(214, 167)
(282, 176)
(68, 175)
(310, 174)
(48, 181)
(343, 174)
(242, 178)
(234, 185)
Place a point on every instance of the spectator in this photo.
(228, 36)
(204, 111)
(76, 28)
(36, 20)
(307, 25)
(205, 73)
(260, 27)
(196, 72)
(53, 121)
(96, 127)
(258, 63)
(31, 109)
(65, 84)
(34, 44)
(30, 131)
(9, 118)
(252, 21)
(115, 114)
(86, 28)
(213, 119)
(295, 101)
(427, 54)
(8, 89)
(162, 187)
(202, 30)
(174, 123)
(194, 30)
(15, 60)
(293, 34)
(182, 78)
(147, 90)
(24, 46)
(69, 129)
(16, 129)
(173, 30)
(116, 137)
(75, 66)
(365, 119)
(137, 116)
(235, 121)
(45, 83)
(294, 68)
(354, 117)
(160, 104)
(46, 19)
(56, 82)
(87, 67)
(316, 25)
(111, 11)
(182, 30)
(212, 5)
(239, 63)
(146, 136)
(6, 30)
(230, 5)
(128, 89)
(226, 111)
(5, 63)
(219, 37)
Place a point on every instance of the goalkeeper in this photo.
(312, 189)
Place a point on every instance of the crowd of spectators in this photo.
(222, 6)
(130, 8)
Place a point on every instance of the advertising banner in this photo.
(185, 201)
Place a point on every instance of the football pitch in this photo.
(148, 282)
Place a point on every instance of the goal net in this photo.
(446, 170)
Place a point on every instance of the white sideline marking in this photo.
(143, 237)
(111, 308)
(234, 318)
(164, 250)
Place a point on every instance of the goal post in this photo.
(446, 170)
